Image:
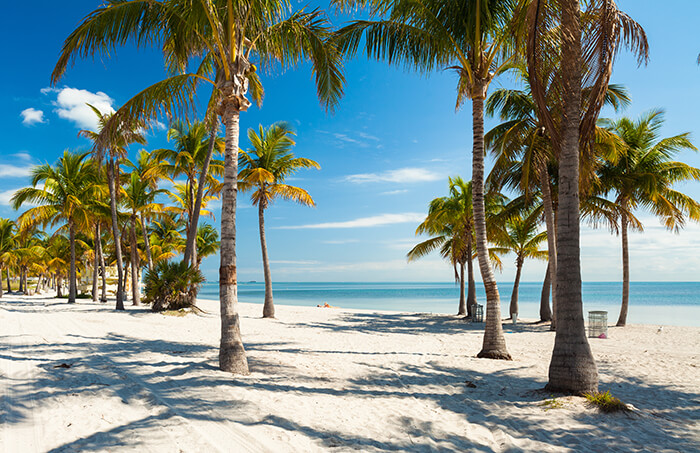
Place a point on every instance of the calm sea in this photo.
(669, 303)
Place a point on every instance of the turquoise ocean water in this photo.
(662, 303)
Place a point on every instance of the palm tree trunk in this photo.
(38, 284)
(471, 286)
(462, 311)
(146, 243)
(8, 274)
(545, 312)
(232, 355)
(135, 293)
(494, 346)
(72, 283)
(624, 226)
(268, 307)
(59, 286)
(9, 280)
(103, 292)
(513, 309)
(572, 368)
(551, 239)
(190, 248)
(95, 263)
(111, 176)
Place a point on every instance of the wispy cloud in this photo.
(71, 104)
(6, 196)
(13, 171)
(401, 175)
(395, 192)
(360, 139)
(363, 222)
(342, 241)
(309, 262)
(32, 116)
(23, 156)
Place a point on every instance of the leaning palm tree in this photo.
(558, 50)
(63, 199)
(226, 39)
(265, 166)
(112, 149)
(520, 235)
(642, 176)
(475, 40)
(7, 244)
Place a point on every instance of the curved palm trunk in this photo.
(135, 293)
(268, 307)
(72, 283)
(190, 247)
(231, 351)
(37, 290)
(551, 240)
(624, 226)
(462, 311)
(494, 346)
(146, 243)
(8, 286)
(95, 263)
(545, 312)
(111, 175)
(59, 286)
(572, 368)
(9, 280)
(513, 309)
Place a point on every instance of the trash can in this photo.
(477, 313)
(598, 324)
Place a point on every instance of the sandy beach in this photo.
(86, 378)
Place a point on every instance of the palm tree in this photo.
(519, 235)
(64, 198)
(642, 176)
(7, 244)
(139, 199)
(115, 145)
(526, 162)
(474, 39)
(207, 242)
(150, 171)
(225, 38)
(189, 159)
(556, 46)
(265, 167)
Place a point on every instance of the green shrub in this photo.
(606, 402)
(172, 286)
(552, 404)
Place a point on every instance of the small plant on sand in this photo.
(606, 402)
(172, 285)
(552, 404)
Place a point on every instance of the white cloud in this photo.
(71, 104)
(401, 175)
(32, 116)
(13, 171)
(364, 222)
(23, 156)
(342, 241)
(394, 192)
(293, 262)
(5, 196)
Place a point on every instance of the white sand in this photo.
(324, 379)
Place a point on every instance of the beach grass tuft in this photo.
(606, 402)
(552, 404)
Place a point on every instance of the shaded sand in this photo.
(324, 380)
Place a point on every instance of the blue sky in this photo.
(384, 154)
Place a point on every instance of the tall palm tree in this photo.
(63, 198)
(112, 148)
(7, 244)
(189, 159)
(474, 39)
(265, 167)
(139, 199)
(520, 235)
(226, 38)
(642, 176)
(557, 52)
